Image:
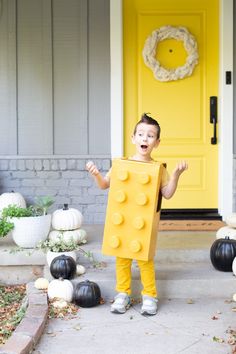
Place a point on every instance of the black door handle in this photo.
(213, 118)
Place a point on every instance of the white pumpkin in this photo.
(12, 198)
(231, 220)
(82, 234)
(66, 219)
(41, 283)
(234, 266)
(78, 235)
(60, 289)
(226, 231)
(234, 297)
(80, 269)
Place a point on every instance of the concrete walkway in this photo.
(196, 311)
(179, 327)
(195, 308)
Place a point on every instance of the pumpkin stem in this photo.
(65, 207)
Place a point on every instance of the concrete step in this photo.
(174, 280)
(183, 267)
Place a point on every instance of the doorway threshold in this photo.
(190, 214)
(190, 220)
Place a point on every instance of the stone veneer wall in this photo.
(65, 179)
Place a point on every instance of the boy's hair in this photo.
(148, 120)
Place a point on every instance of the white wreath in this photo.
(167, 32)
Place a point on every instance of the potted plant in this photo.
(60, 246)
(31, 224)
(5, 227)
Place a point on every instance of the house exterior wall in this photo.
(55, 100)
(64, 179)
(55, 77)
(234, 117)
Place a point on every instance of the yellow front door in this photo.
(181, 107)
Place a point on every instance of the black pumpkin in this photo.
(222, 253)
(63, 267)
(87, 294)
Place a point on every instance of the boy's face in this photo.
(145, 139)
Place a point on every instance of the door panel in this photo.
(181, 107)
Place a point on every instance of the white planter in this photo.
(29, 231)
(51, 255)
(231, 220)
(234, 266)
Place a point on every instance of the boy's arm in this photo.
(102, 182)
(169, 189)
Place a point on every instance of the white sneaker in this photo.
(149, 306)
(121, 303)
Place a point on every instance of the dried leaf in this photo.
(190, 301)
(77, 327)
(218, 339)
(228, 301)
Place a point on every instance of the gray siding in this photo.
(55, 73)
(234, 82)
(234, 120)
(8, 127)
(34, 77)
(70, 77)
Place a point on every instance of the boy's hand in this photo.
(92, 168)
(180, 168)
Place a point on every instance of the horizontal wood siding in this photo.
(8, 122)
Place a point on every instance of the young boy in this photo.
(146, 137)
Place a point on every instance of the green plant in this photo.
(42, 204)
(5, 227)
(14, 211)
(60, 245)
(39, 208)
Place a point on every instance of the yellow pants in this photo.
(123, 276)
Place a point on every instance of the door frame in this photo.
(225, 109)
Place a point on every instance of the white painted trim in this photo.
(226, 110)
(225, 98)
(116, 50)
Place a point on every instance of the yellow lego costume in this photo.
(133, 213)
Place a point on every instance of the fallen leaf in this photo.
(77, 327)
(53, 334)
(190, 301)
(101, 301)
(218, 340)
(228, 301)
(232, 340)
